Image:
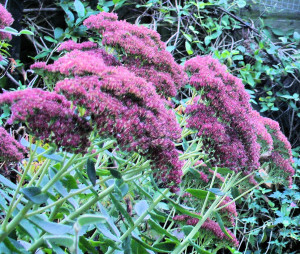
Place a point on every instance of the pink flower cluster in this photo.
(120, 105)
(281, 151)
(234, 134)
(71, 45)
(145, 54)
(5, 20)
(10, 149)
(221, 116)
(229, 210)
(48, 116)
(209, 227)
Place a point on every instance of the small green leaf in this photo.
(58, 33)
(221, 224)
(216, 191)
(141, 207)
(207, 40)
(296, 36)
(170, 48)
(115, 173)
(35, 195)
(235, 193)
(187, 230)
(201, 194)
(79, 7)
(25, 31)
(159, 229)
(91, 171)
(198, 248)
(61, 240)
(165, 246)
(121, 209)
(241, 3)
(188, 48)
(11, 30)
(87, 219)
(48, 38)
(50, 227)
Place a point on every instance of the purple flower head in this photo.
(146, 54)
(10, 149)
(71, 45)
(48, 116)
(121, 105)
(5, 20)
(222, 115)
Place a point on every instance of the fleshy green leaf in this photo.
(87, 219)
(201, 194)
(159, 229)
(35, 195)
(91, 171)
(50, 227)
(61, 240)
(216, 191)
(221, 224)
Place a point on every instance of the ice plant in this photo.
(10, 149)
(120, 105)
(48, 116)
(5, 20)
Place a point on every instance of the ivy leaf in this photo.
(241, 3)
(188, 48)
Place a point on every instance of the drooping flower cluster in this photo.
(233, 133)
(210, 229)
(281, 155)
(120, 104)
(221, 115)
(5, 20)
(10, 149)
(145, 54)
(48, 116)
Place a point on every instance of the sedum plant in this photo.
(112, 166)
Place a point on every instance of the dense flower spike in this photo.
(209, 227)
(5, 20)
(121, 105)
(48, 117)
(233, 132)
(10, 149)
(146, 54)
(222, 114)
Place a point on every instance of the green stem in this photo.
(62, 200)
(75, 214)
(12, 206)
(141, 218)
(59, 173)
(15, 222)
(243, 194)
